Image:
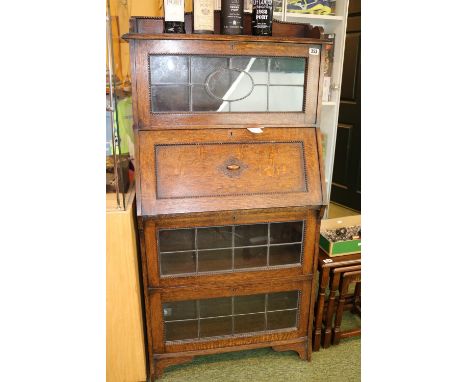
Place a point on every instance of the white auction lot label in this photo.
(314, 51)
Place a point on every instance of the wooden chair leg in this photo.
(357, 299)
(324, 276)
(330, 310)
(343, 289)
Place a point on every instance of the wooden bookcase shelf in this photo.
(308, 18)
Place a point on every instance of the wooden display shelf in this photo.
(155, 25)
(221, 37)
(311, 16)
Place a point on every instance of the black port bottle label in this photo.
(232, 17)
(262, 17)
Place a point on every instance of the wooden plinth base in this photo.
(300, 348)
(161, 361)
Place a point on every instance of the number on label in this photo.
(314, 51)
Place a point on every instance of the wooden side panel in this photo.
(187, 171)
(125, 355)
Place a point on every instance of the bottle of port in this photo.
(232, 17)
(174, 16)
(262, 17)
(203, 16)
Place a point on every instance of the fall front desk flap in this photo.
(186, 171)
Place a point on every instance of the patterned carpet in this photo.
(341, 363)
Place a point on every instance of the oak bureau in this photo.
(230, 188)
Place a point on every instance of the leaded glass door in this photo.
(219, 83)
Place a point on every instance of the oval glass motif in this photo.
(240, 84)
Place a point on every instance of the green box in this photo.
(339, 248)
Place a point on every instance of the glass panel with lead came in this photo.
(282, 319)
(287, 71)
(282, 300)
(229, 248)
(289, 232)
(252, 234)
(285, 254)
(181, 330)
(176, 240)
(249, 323)
(249, 304)
(285, 98)
(215, 260)
(169, 69)
(252, 257)
(218, 326)
(179, 310)
(232, 315)
(182, 83)
(173, 263)
(214, 237)
(214, 307)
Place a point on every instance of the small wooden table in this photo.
(336, 266)
(347, 279)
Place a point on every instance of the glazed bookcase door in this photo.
(236, 247)
(221, 83)
(229, 316)
(226, 84)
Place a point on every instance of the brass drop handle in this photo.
(233, 167)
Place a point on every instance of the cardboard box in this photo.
(340, 248)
